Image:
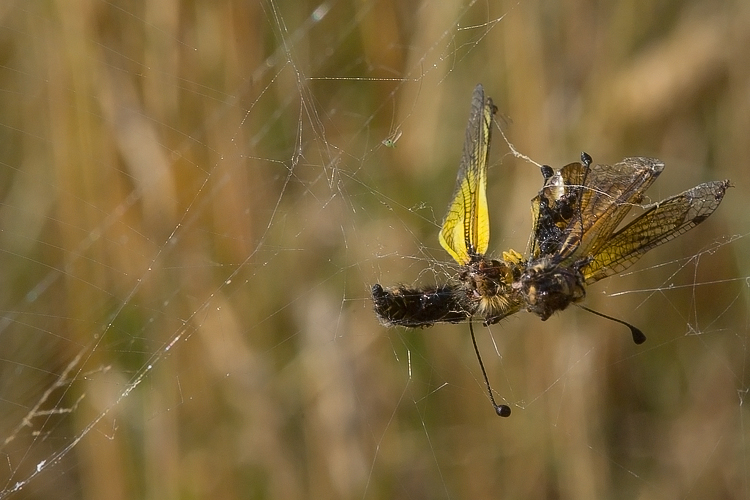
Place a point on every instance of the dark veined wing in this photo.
(661, 222)
(466, 229)
(607, 195)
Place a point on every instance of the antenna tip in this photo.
(502, 410)
(638, 336)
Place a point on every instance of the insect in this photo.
(574, 242)
(391, 140)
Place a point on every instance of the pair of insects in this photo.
(574, 242)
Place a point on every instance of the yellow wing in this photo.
(466, 229)
(661, 222)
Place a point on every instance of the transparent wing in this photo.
(660, 223)
(607, 195)
(466, 229)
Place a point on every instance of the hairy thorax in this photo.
(547, 287)
(488, 285)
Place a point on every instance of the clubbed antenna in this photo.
(501, 410)
(638, 336)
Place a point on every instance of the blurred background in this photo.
(197, 197)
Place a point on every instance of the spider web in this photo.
(197, 197)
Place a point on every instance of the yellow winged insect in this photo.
(574, 241)
(484, 285)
